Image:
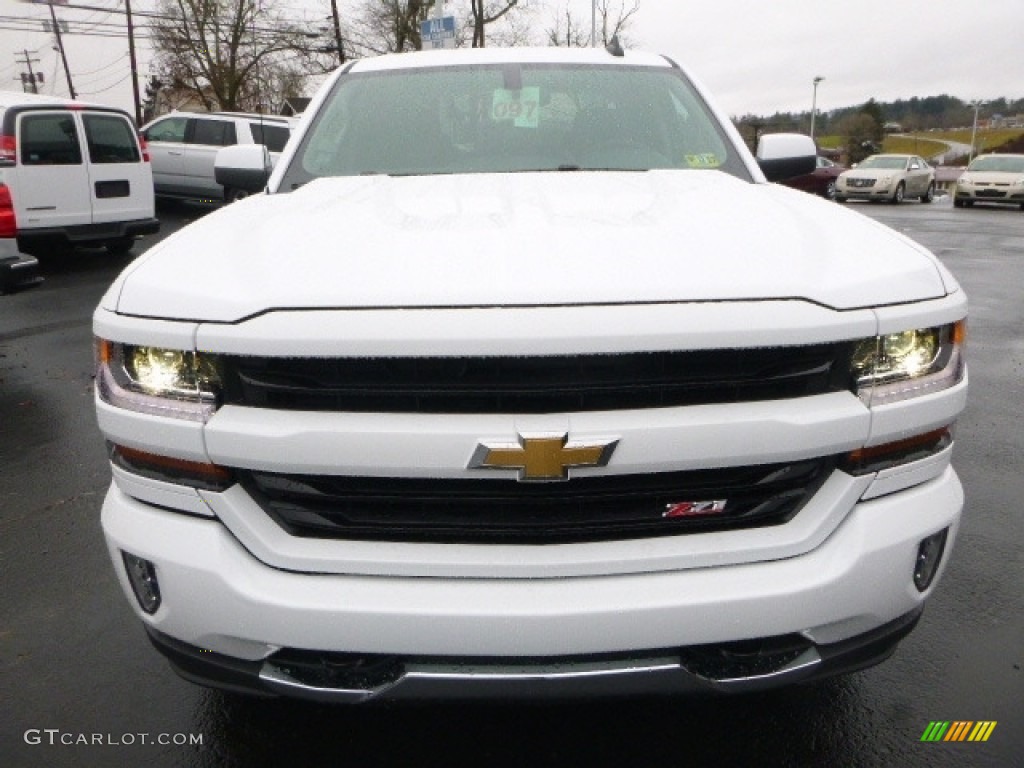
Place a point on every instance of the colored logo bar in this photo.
(958, 730)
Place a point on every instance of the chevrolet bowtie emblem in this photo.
(542, 457)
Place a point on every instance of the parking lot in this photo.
(81, 686)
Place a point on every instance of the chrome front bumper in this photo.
(351, 679)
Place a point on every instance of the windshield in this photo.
(511, 118)
(881, 161)
(998, 164)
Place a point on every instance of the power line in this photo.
(109, 88)
(118, 60)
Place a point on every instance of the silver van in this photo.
(76, 174)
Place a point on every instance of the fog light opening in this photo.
(142, 576)
(929, 555)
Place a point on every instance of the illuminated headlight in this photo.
(909, 364)
(163, 382)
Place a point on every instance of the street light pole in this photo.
(814, 102)
(974, 130)
(593, 23)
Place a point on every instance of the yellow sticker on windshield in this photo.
(706, 160)
(518, 107)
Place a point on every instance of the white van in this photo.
(76, 174)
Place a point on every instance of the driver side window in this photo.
(171, 129)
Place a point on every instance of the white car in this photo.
(892, 178)
(184, 146)
(991, 179)
(522, 378)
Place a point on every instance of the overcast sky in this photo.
(756, 56)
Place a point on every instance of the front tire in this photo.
(898, 195)
(830, 190)
(959, 203)
(929, 195)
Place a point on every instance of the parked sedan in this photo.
(822, 181)
(888, 177)
(991, 179)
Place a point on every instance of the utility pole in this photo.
(28, 62)
(337, 31)
(131, 58)
(60, 49)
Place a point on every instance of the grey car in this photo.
(892, 178)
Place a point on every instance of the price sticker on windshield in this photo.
(519, 107)
(703, 160)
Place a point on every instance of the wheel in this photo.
(120, 246)
(840, 199)
(958, 203)
(232, 195)
(830, 190)
(929, 195)
(897, 196)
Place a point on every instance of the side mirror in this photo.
(243, 166)
(785, 155)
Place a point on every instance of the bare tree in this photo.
(484, 12)
(613, 20)
(567, 31)
(230, 54)
(391, 26)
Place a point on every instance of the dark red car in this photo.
(822, 181)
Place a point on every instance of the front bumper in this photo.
(725, 668)
(866, 193)
(1005, 195)
(811, 612)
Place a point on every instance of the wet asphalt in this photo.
(80, 685)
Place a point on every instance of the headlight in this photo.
(964, 180)
(163, 382)
(883, 181)
(909, 364)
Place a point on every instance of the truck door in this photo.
(53, 184)
(120, 181)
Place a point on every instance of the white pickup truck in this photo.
(521, 378)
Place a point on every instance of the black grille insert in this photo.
(597, 508)
(537, 384)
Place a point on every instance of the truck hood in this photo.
(527, 239)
